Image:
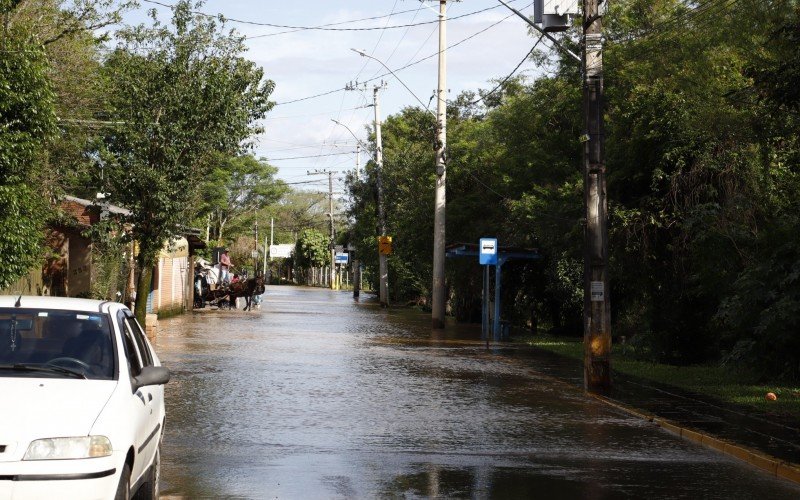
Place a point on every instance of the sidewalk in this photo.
(770, 442)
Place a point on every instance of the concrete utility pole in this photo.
(383, 266)
(597, 308)
(358, 161)
(255, 247)
(331, 246)
(356, 265)
(438, 290)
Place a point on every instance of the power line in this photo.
(310, 156)
(402, 37)
(324, 27)
(464, 40)
(310, 114)
(504, 80)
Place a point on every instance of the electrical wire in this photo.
(402, 37)
(310, 156)
(419, 61)
(323, 27)
(504, 80)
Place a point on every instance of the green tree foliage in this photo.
(702, 115)
(311, 249)
(180, 94)
(27, 121)
(236, 189)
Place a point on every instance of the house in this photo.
(76, 268)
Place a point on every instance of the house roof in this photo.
(107, 206)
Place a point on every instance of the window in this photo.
(44, 340)
(129, 345)
(141, 342)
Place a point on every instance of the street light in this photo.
(356, 264)
(364, 54)
(359, 144)
(359, 141)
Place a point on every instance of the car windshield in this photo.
(52, 343)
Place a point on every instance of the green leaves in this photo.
(26, 123)
(21, 231)
(312, 249)
(182, 95)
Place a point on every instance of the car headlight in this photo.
(65, 448)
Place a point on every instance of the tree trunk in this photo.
(143, 289)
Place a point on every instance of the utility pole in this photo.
(596, 305)
(331, 246)
(358, 161)
(438, 290)
(355, 263)
(596, 324)
(383, 266)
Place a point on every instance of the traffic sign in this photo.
(385, 245)
(341, 258)
(487, 252)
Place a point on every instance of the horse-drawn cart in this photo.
(225, 295)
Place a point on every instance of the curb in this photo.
(760, 460)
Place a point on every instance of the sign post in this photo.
(487, 256)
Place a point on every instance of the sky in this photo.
(305, 63)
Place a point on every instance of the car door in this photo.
(154, 394)
(139, 409)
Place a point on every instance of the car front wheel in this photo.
(124, 487)
(149, 490)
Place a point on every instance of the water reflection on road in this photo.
(317, 396)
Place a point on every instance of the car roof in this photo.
(45, 302)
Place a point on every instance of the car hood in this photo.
(34, 408)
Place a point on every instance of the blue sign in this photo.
(341, 258)
(487, 252)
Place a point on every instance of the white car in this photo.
(81, 401)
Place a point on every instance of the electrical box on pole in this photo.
(555, 15)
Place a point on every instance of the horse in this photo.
(247, 289)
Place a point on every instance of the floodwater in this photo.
(318, 396)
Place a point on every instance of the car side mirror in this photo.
(151, 375)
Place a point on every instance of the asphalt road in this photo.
(317, 396)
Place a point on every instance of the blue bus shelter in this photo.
(486, 254)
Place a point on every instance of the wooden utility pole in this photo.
(438, 298)
(596, 324)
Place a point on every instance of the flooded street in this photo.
(317, 396)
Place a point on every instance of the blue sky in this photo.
(309, 62)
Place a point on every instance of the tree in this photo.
(179, 95)
(236, 189)
(311, 249)
(68, 31)
(27, 121)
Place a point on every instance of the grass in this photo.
(737, 387)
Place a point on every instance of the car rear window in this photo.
(32, 341)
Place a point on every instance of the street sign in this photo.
(385, 245)
(254, 254)
(487, 252)
(341, 258)
(338, 248)
(598, 291)
(283, 251)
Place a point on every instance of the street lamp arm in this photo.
(359, 141)
(364, 54)
(540, 30)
